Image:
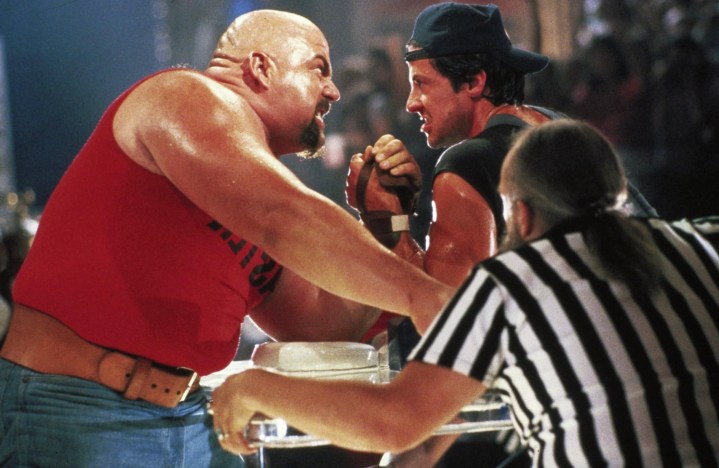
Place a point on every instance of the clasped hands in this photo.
(394, 160)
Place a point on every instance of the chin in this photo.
(434, 144)
(312, 140)
(443, 141)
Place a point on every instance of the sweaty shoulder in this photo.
(169, 108)
(478, 161)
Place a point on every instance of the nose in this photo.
(413, 104)
(331, 92)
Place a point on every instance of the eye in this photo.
(322, 66)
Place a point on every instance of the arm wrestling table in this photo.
(341, 360)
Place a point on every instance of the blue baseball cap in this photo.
(452, 28)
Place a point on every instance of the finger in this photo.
(356, 162)
(403, 169)
(368, 155)
(401, 159)
(235, 442)
(383, 146)
(383, 140)
(395, 159)
(394, 149)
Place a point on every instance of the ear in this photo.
(526, 220)
(475, 88)
(258, 68)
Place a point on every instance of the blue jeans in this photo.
(57, 421)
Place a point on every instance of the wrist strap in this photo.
(386, 226)
(385, 222)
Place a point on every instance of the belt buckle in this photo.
(191, 380)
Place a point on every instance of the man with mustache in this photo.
(174, 222)
(598, 329)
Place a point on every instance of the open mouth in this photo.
(319, 120)
(322, 110)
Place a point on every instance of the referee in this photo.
(600, 331)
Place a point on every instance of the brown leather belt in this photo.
(43, 344)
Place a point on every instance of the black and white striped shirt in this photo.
(595, 372)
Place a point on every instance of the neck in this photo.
(526, 113)
(486, 110)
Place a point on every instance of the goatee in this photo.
(313, 154)
(312, 139)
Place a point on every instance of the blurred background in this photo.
(643, 71)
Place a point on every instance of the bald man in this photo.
(174, 222)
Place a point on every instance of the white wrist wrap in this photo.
(400, 223)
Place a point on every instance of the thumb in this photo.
(367, 156)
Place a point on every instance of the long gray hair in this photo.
(567, 169)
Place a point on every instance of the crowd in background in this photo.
(644, 73)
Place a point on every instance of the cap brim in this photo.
(523, 60)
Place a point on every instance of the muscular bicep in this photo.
(210, 145)
(463, 233)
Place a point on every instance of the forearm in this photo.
(391, 417)
(353, 415)
(329, 248)
(429, 453)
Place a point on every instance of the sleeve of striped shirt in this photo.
(466, 335)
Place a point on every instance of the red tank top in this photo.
(128, 262)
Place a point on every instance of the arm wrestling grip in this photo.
(386, 226)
